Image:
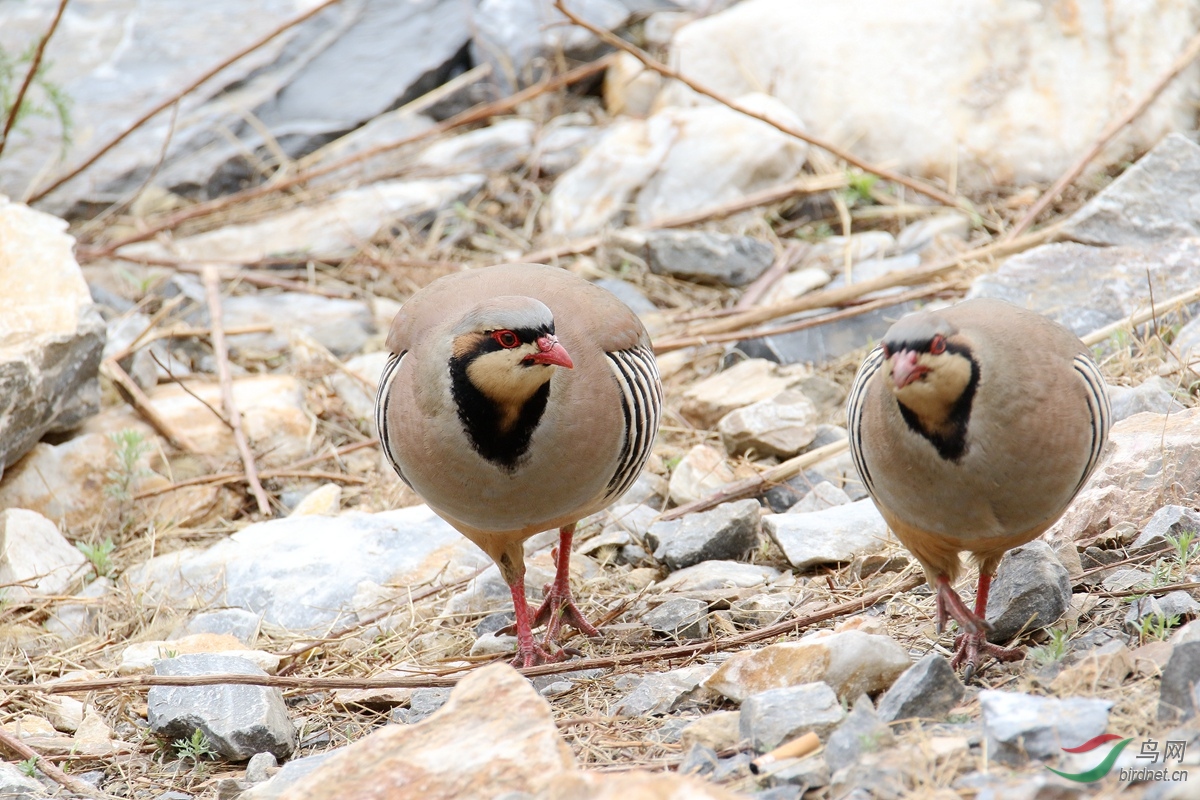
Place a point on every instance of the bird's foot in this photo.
(970, 646)
(951, 606)
(559, 609)
(531, 654)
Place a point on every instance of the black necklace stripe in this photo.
(641, 405)
(854, 414)
(480, 417)
(382, 398)
(1099, 410)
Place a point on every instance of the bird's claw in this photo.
(970, 646)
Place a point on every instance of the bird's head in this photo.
(929, 365)
(507, 349)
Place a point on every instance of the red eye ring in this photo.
(938, 345)
(887, 351)
(506, 339)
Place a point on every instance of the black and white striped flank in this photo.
(381, 408)
(1098, 407)
(854, 412)
(641, 403)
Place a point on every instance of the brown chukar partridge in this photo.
(973, 428)
(518, 399)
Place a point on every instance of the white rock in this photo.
(702, 470)
(501, 146)
(35, 559)
(835, 535)
(322, 501)
(139, 658)
(749, 381)
(919, 235)
(64, 713)
(797, 283)
(678, 160)
(341, 326)
(989, 111)
(824, 495)
(339, 224)
(781, 426)
(357, 390)
(708, 575)
(850, 662)
(51, 334)
(630, 88)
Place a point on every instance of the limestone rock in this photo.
(771, 717)
(51, 334)
(1145, 453)
(664, 692)
(781, 426)
(706, 257)
(337, 225)
(238, 720)
(837, 534)
(35, 559)
(677, 161)
(708, 575)
(1024, 127)
(1032, 589)
(287, 571)
(927, 689)
(1086, 288)
(726, 532)
(501, 732)
(707, 401)
(1020, 726)
(702, 470)
(1150, 202)
(851, 662)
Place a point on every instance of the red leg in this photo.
(559, 606)
(970, 644)
(950, 605)
(528, 652)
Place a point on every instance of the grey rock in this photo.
(700, 761)
(827, 341)
(787, 791)
(628, 294)
(664, 692)
(73, 621)
(993, 786)
(863, 730)
(705, 257)
(1086, 288)
(835, 535)
(919, 235)
(1187, 341)
(807, 773)
(771, 718)
(671, 730)
(51, 333)
(725, 532)
(494, 644)
(1154, 395)
(1152, 201)
(680, 618)
(287, 571)
(649, 489)
(258, 768)
(1022, 725)
(518, 36)
(233, 621)
(229, 788)
(17, 785)
(709, 575)
(342, 326)
(291, 774)
(1178, 604)
(560, 146)
(1125, 578)
(391, 53)
(174, 796)
(423, 703)
(494, 622)
(140, 366)
(824, 495)
(239, 721)
(501, 146)
(1179, 692)
(1170, 520)
(1032, 589)
(761, 609)
(782, 426)
(878, 267)
(927, 690)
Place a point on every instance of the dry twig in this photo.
(662, 69)
(18, 748)
(1189, 54)
(142, 405)
(34, 65)
(1138, 317)
(212, 285)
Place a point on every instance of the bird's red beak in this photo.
(550, 352)
(905, 368)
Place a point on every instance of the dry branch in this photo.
(17, 748)
(144, 407)
(745, 488)
(175, 98)
(1145, 315)
(212, 286)
(34, 65)
(1189, 54)
(471, 115)
(782, 628)
(662, 69)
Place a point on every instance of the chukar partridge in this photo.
(973, 428)
(519, 399)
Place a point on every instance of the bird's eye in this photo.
(887, 351)
(938, 345)
(506, 339)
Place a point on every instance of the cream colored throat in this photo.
(933, 398)
(503, 379)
